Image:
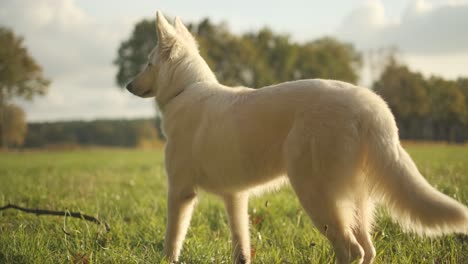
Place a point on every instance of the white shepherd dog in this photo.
(336, 143)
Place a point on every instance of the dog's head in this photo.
(173, 43)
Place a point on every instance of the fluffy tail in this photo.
(413, 202)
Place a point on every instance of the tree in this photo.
(20, 75)
(448, 108)
(462, 83)
(425, 108)
(271, 57)
(328, 58)
(13, 128)
(448, 100)
(221, 50)
(404, 91)
(407, 95)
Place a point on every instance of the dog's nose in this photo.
(129, 86)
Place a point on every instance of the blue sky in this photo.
(77, 40)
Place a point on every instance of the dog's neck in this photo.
(180, 75)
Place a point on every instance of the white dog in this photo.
(336, 143)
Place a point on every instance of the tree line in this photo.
(425, 108)
(66, 134)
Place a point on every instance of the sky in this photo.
(76, 40)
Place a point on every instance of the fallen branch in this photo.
(58, 213)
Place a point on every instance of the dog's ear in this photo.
(167, 35)
(183, 31)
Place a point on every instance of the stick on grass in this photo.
(58, 213)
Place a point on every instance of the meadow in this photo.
(127, 188)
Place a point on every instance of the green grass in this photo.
(127, 189)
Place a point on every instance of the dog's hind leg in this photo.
(330, 208)
(180, 205)
(332, 219)
(322, 162)
(237, 209)
(364, 215)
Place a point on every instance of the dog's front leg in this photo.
(237, 209)
(180, 203)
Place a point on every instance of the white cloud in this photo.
(424, 28)
(76, 52)
(429, 35)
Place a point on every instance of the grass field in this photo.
(127, 188)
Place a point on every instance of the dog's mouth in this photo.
(146, 93)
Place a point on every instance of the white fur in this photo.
(336, 143)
